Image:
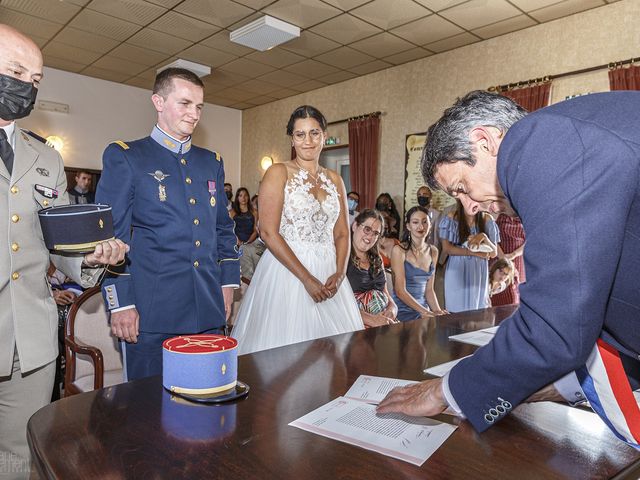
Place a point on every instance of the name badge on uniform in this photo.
(162, 189)
(46, 191)
(212, 192)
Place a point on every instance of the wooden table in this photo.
(136, 430)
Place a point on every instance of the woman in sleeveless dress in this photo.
(413, 263)
(298, 291)
(466, 278)
(366, 273)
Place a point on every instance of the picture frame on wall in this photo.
(414, 144)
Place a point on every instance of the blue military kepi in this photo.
(76, 228)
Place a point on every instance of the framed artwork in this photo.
(414, 144)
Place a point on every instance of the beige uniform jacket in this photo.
(28, 313)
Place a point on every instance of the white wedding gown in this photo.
(276, 309)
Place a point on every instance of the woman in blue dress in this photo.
(466, 277)
(413, 264)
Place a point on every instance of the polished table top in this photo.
(138, 430)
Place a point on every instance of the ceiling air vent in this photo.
(197, 68)
(264, 33)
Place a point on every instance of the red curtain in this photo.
(625, 78)
(531, 98)
(364, 152)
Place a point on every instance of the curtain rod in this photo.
(357, 117)
(548, 78)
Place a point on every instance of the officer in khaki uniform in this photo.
(32, 177)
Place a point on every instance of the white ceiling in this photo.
(127, 40)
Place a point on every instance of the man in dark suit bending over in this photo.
(571, 172)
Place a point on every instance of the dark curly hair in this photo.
(373, 254)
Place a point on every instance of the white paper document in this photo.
(479, 337)
(443, 368)
(412, 439)
(372, 389)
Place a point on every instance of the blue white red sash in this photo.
(606, 386)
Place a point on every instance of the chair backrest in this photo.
(389, 276)
(238, 295)
(88, 324)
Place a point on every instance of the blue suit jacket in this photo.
(572, 172)
(183, 249)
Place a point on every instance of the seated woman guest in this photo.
(500, 277)
(413, 263)
(366, 273)
(512, 241)
(466, 278)
(246, 220)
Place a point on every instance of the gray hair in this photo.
(448, 138)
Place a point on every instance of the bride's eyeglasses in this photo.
(314, 134)
(368, 231)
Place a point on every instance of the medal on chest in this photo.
(212, 192)
(162, 189)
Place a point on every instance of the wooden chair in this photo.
(389, 277)
(92, 355)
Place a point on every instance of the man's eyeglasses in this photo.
(299, 135)
(370, 231)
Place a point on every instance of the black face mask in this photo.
(424, 201)
(229, 195)
(382, 206)
(16, 98)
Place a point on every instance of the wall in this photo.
(414, 95)
(101, 112)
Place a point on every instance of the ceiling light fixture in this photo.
(197, 68)
(264, 33)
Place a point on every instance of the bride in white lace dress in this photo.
(298, 291)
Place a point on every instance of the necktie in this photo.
(6, 152)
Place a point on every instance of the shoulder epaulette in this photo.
(216, 155)
(35, 135)
(122, 144)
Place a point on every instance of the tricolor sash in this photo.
(606, 386)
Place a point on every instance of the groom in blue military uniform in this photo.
(169, 203)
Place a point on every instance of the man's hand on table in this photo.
(420, 399)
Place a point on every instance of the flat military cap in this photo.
(76, 228)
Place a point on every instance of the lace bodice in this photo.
(310, 209)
